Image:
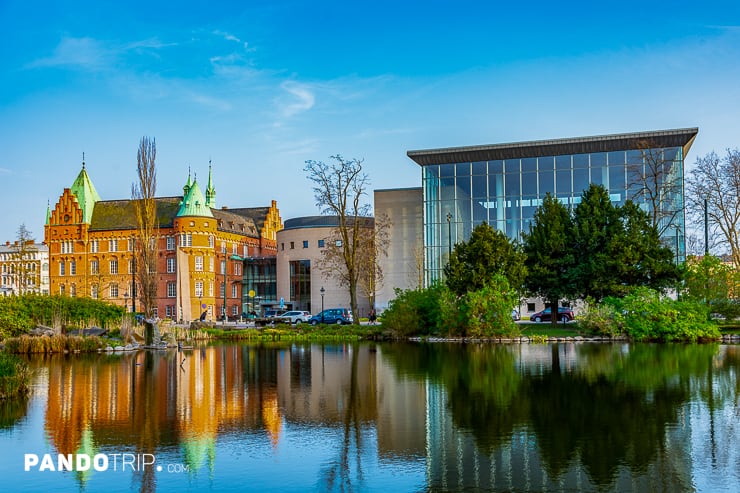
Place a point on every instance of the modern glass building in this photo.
(503, 184)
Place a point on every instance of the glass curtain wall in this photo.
(300, 284)
(260, 276)
(505, 193)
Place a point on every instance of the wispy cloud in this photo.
(80, 52)
(300, 98)
(5, 171)
(230, 37)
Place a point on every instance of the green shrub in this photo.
(601, 320)
(418, 311)
(15, 376)
(645, 315)
(487, 311)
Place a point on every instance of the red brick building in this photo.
(201, 249)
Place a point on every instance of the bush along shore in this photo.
(15, 377)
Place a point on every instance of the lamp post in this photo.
(449, 236)
(322, 291)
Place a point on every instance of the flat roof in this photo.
(682, 137)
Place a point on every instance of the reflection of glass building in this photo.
(503, 184)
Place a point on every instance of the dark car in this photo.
(332, 316)
(565, 314)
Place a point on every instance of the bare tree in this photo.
(23, 266)
(338, 189)
(374, 244)
(656, 181)
(145, 243)
(715, 181)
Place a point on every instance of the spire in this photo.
(193, 203)
(48, 213)
(186, 188)
(85, 193)
(210, 191)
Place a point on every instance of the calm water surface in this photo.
(380, 417)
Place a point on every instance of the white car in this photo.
(295, 317)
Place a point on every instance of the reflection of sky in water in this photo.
(292, 420)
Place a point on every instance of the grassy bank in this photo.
(26, 344)
(15, 376)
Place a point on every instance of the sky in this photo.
(258, 88)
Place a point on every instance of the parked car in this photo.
(271, 313)
(565, 314)
(295, 317)
(332, 316)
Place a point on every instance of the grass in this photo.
(546, 330)
(15, 376)
(26, 344)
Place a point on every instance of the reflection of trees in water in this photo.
(11, 410)
(608, 406)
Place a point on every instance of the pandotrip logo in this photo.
(97, 462)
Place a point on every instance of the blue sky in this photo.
(261, 87)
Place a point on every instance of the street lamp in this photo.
(449, 235)
(322, 291)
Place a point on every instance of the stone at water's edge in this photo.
(151, 333)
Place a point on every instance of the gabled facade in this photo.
(24, 268)
(201, 249)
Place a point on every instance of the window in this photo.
(186, 239)
(222, 291)
(211, 241)
(61, 289)
(199, 289)
(171, 290)
(237, 269)
(233, 290)
(61, 268)
(530, 307)
(73, 290)
(246, 252)
(305, 244)
(198, 263)
(113, 269)
(94, 267)
(292, 245)
(210, 289)
(94, 292)
(72, 268)
(338, 243)
(170, 311)
(131, 264)
(170, 243)
(234, 249)
(113, 245)
(170, 265)
(235, 310)
(131, 244)
(223, 267)
(223, 247)
(210, 264)
(94, 246)
(114, 290)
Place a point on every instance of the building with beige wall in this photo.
(403, 267)
(300, 245)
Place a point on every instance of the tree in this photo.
(618, 248)
(655, 180)
(709, 280)
(715, 181)
(373, 246)
(549, 252)
(475, 263)
(338, 189)
(145, 245)
(23, 267)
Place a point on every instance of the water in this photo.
(380, 417)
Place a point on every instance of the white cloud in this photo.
(81, 52)
(302, 99)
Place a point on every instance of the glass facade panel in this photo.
(300, 284)
(506, 194)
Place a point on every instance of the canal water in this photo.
(379, 417)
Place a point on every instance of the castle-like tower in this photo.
(200, 256)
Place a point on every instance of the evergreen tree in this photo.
(474, 264)
(549, 252)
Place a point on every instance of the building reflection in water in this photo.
(151, 401)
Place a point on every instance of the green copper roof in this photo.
(85, 193)
(210, 191)
(194, 203)
(48, 212)
(187, 186)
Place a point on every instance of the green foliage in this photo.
(15, 376)
(549, 253)
(18, 314)
(600, 319)
(488, 310)
(709, 279)
(646, 316)
(420, 311)
(476, 263)
(485, 312)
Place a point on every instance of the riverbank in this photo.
(15, 377)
